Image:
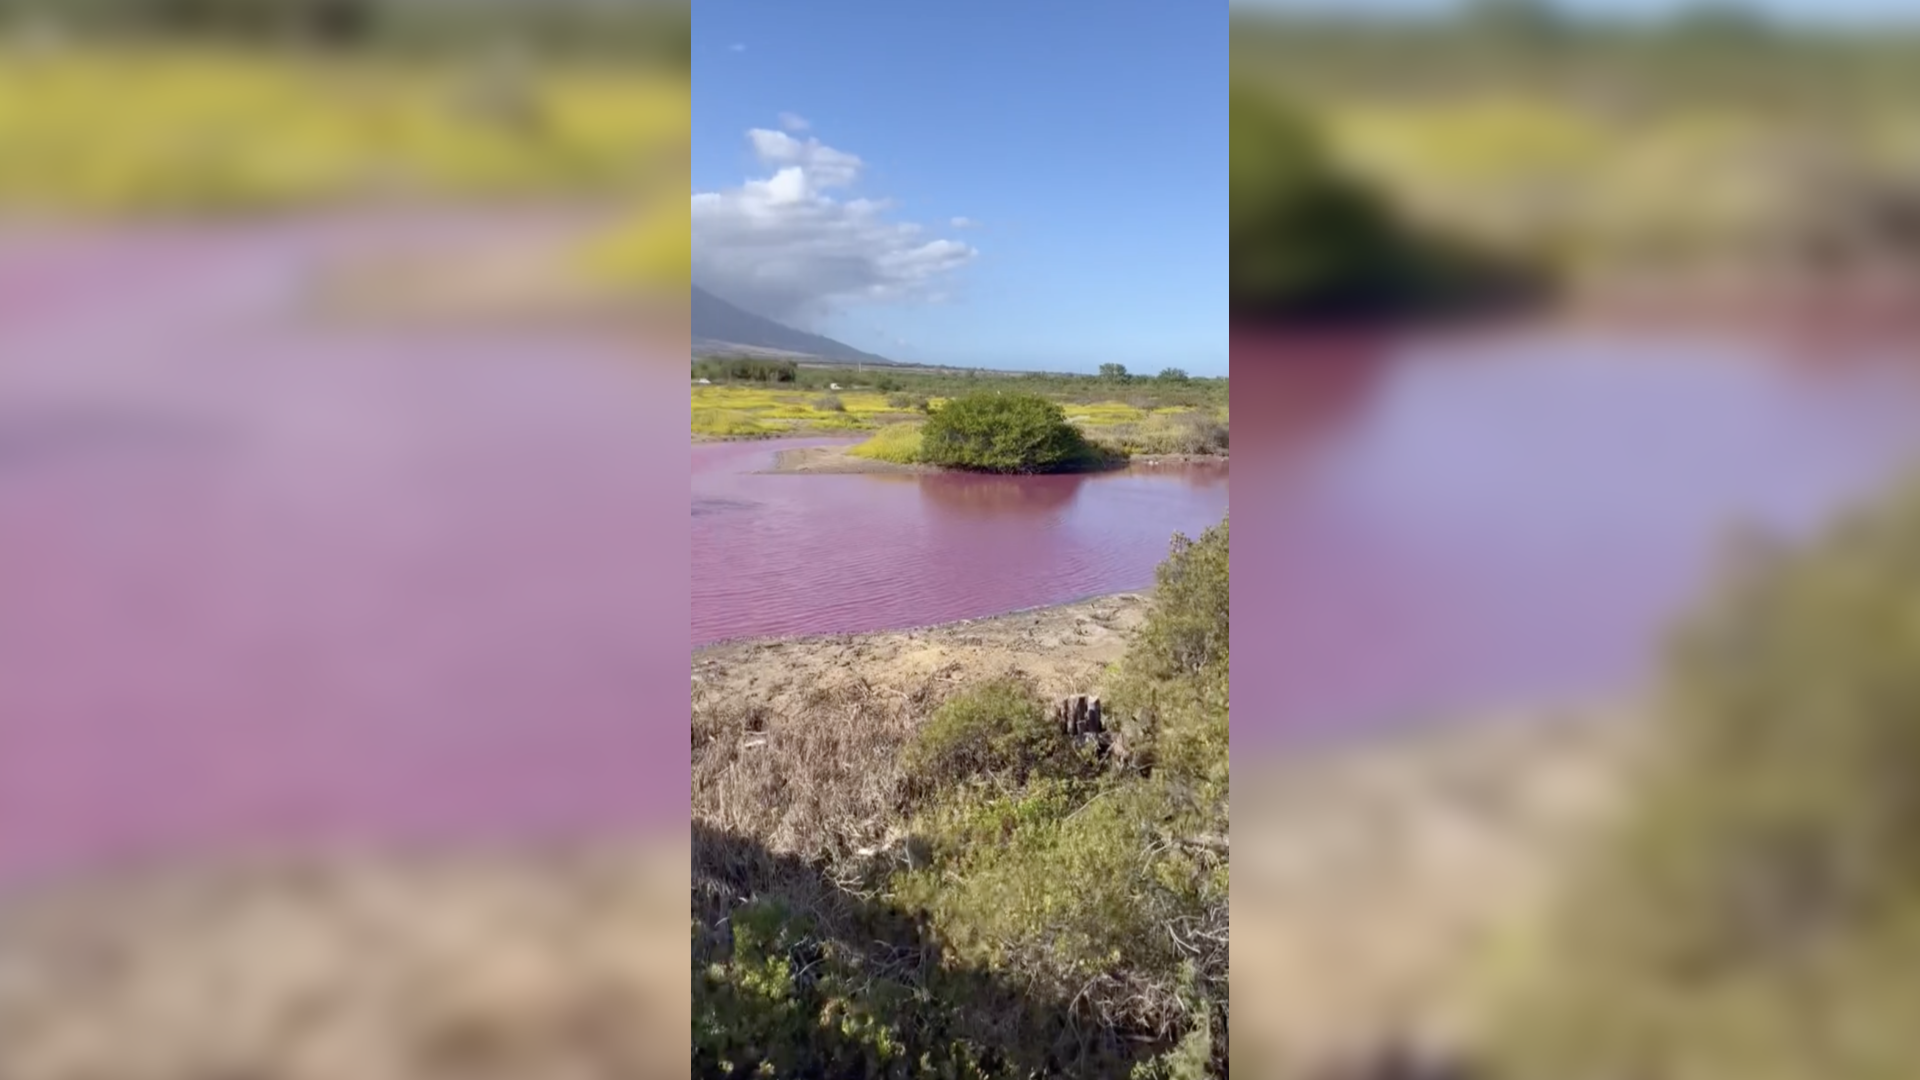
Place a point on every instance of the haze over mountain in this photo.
(718, 325)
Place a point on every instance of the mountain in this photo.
(718, 326)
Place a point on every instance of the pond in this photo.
(777, 554)
(267, 578)
(1505, 519)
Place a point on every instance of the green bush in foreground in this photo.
(1004, 433)
(1759, 915)
(998, 730)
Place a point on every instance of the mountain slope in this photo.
(717, 324)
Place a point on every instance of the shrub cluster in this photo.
(1758, 914)
(1040, 911)
(1003, 432)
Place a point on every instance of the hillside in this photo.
(718, 324)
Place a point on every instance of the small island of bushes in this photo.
(996, 432)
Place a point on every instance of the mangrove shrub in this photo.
(1003, 433)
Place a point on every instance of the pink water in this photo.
(264, 580)
(1443, 527)
(805, 553)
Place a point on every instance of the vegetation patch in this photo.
(898, 444)
(220, 129)
(728, 423)
(1758, 914)
(1004, 432)
(947, 884)
(1120, 413)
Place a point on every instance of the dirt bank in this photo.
(1385, 885)
(525, 966)
(1380, 881)
(1064, 648)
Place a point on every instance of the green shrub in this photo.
(1309, 241)
(1004, 433)
(1187, 630)
(1088, 896)
(996, 730)
(787, 1001)
(829, 403)
(1756, 916)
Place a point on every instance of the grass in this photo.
(1603, 151)
(184, 129)
(1137, 418)
(895, 443)
(729, 424)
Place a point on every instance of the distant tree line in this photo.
(1712, 47)
(657, 31)
(745, 369)
(1310, 243)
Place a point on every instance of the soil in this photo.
(524, 966)
(528, 281)
(1385, 886)
(1064, 649)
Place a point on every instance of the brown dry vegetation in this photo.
(906, 867)
(801, 743)
(509, 966)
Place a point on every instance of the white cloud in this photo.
(786, 247)
(737, 47)
(964, 223)
(794, 122)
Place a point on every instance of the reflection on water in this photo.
(827, 554)
(710, 507)
(1028, 496)
(1455, 523)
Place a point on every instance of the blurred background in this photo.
(337, 595)
(1579, 340)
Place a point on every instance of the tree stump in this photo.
(1078, 715)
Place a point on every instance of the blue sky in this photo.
(1065, 164)
(1800, 11)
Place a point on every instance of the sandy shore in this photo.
(1065, 647)
(530, 966)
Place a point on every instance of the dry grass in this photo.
(820, 783)
(546, 966)
(1170, 432)
(800, 744)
